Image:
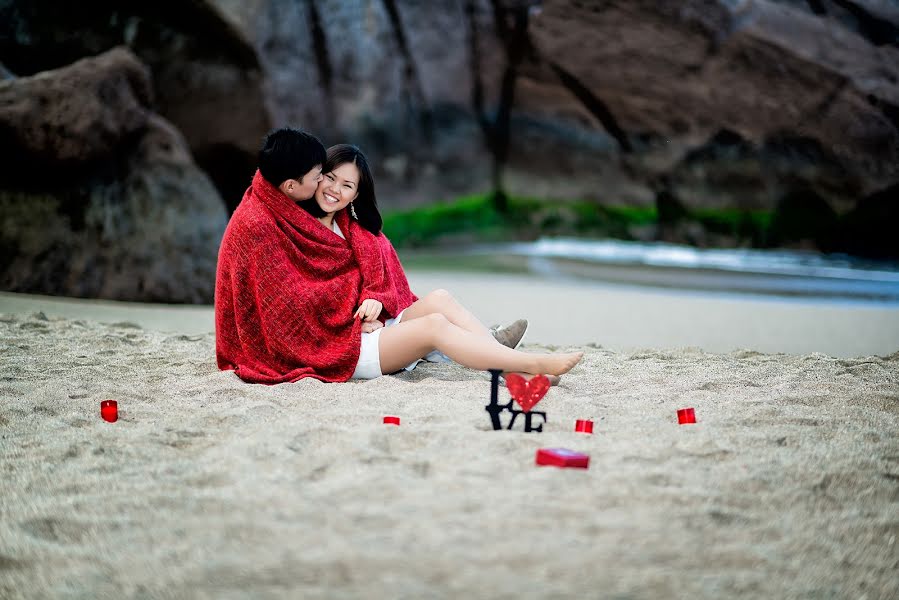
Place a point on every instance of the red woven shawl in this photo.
(287, 287)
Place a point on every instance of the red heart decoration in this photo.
(527, 393)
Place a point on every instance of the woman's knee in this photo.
(440, 297)
(436, 320)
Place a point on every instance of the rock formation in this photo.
(102, 198)
(788, 106)
(207, 80)
(718, 103)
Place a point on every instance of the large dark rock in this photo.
(869, 229)
(394, 77)
(731, 172)
(104, 199)
(65, 119)
(206, 77)
(672, 75)
(875, 20)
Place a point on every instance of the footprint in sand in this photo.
(8, 564)
(79, 422)
(44, 410)
(422, 469)
(722, 517)
(55, 530)
(182, 439)
(184, 338)
(726, 386)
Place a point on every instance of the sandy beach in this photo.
(206, 487)
(566, 313)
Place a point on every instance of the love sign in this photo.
(525, 393)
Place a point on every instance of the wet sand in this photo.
(612, 316)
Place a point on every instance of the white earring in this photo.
(353, 211)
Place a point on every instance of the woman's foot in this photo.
(557, 364)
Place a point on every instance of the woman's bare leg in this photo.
(441, 301)
(407, 341)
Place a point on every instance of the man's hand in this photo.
(373, 326)
(369, 310)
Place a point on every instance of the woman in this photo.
(435, 322)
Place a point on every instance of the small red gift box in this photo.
(583, 426)
(109, 410)
(685, 416)
(562, 457)
(391, 420)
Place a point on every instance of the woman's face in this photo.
(338, 188)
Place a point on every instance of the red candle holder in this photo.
(583, 426)
(562, 457)
(391, 420)
(686, 416)
(109, 410)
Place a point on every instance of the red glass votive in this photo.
(685, 416)
(562, 457)
(391, 420)
(109, 410)
(583, 426)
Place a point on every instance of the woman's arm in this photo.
(383, 278)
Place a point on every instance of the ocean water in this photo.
(782, 272)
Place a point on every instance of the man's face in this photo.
(303, 188)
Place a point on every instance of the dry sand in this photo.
(788, 487)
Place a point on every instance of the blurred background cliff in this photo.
(129, 130)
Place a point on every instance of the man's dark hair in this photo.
(289, 153)
(365, 204)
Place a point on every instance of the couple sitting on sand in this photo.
(308, 286)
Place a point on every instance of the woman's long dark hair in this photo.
(365, 204)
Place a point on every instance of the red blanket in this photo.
(287, 288)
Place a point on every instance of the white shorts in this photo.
(369, 365)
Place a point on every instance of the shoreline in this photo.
(614, 316)
(837, 284)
